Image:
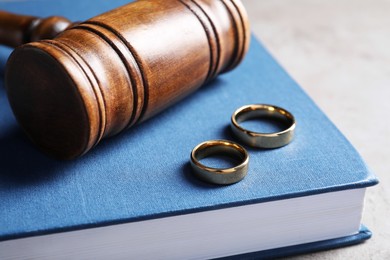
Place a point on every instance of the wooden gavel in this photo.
(102, 76)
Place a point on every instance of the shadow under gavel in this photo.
(97, 78)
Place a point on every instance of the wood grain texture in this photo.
(120, 68)
(19, 29)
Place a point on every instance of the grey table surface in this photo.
(339, 52)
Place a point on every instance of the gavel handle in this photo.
(16, 30)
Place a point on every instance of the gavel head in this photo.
(117, 69)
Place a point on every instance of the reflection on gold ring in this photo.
(263, 140)
(220, 175)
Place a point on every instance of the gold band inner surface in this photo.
(220, 175)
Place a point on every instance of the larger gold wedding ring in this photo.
(220, 175)
(263, 140)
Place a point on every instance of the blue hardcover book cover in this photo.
(144, 174)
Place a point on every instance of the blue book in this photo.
(134, 196)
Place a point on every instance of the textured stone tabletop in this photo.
(339, 52)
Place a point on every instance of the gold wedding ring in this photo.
(220, 175)
(263, 140)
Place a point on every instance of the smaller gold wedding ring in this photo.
(220, 175)
(263, 140)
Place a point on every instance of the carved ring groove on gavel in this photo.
(117, 69)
